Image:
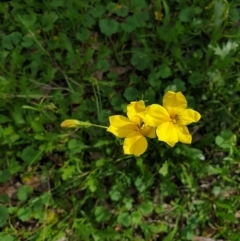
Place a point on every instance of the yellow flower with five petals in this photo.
(132, 128)
(171, 119)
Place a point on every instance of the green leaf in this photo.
(124, 219)
(108, 26)
(136, 217)
(164, 169)
(97, 11)
(24, 192)
(11, 40)
(6, 237)
(186, 14)
(140, 60)
(88, 21)
(196, 78)
(154, 79)
(102, 214)
(122, 12)
(3, 215)
(131, 23)
(83, 35)
(30, 155)
(117, 102)
(103, 65)
(24, 214)
(48, 20)
(234, 15)
(164, 71)
(28, 20)
(139, 4)
(132, 94)
(27, 41)
(180, 85)
(115, 195)
(5, 175)
(4, 119)
(226, 139)
(149, 95)
(146, 208)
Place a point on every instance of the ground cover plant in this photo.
(87, 61)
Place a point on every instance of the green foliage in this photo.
(87, 60)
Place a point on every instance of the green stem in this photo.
(105, 127)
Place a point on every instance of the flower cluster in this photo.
(167, 121)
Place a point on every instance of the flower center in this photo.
(174, 119)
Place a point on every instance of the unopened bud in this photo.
(70, 123)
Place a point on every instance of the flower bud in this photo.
(71, 123)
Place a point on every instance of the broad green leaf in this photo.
(3, 215)
(30, 155)
(83, 35)
(5, 175)
(97, 11)
(164, 71)
(132, 94)
(108, 26)
(24, 214)
(196, 78)
(140, 60)
(146, 208)
(164, 169)
(115, 195)
(124, 219)
(102, 214)
(24, 192)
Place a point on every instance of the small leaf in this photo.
(24, 214)
(102, 214)
(140, 60)
(30, 155)
(83, 35)
(24, 192)
(146, 208)
(5, 175)
(3, 215)
(97, 11)
(115, 195)
(164, 169)
(164, 71)
(108, 26)
(196, 78)
(186, 14)
(131, 94)
(124, 219)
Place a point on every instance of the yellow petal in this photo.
(167, 132)
(174, 102)
(148, 131)
(121, 126)
(135, 144)
(156, 115)
(183, 134)
(137, 121)
(188, 116)
(136, 108)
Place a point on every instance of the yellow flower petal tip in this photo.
(71, 123)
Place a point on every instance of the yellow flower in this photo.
(158, 15)
(171, 119)
(132, 128)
